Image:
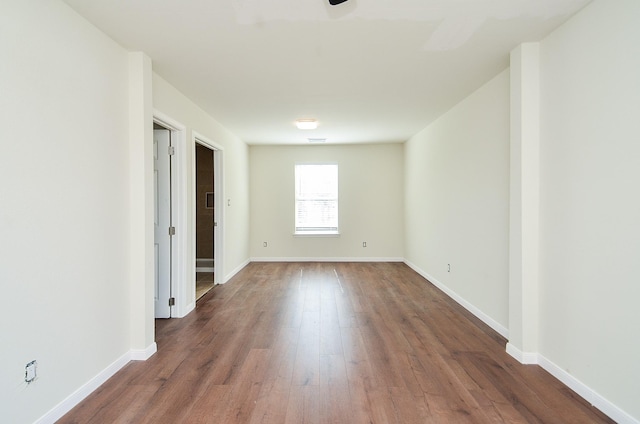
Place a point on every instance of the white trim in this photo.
(179, 211)
(595, 399)
(85, 390)
(526, 358)
(235, 271)
(185, 310)
(143, 354)
(581, 389)
(326, 259)
(90, 386)
(495, 325)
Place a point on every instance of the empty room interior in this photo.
(305, 211)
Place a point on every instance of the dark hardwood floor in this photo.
(330, 343)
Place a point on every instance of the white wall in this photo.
(457, 201)
(170, 102)
(590, 206)
(370, 193)
(64, 255)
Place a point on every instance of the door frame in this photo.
(162, 238)
(180, 278)
(218, 195)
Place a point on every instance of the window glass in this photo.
(316, 198)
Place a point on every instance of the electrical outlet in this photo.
(364, 244)
(30, 371)
(264, 244)
(448, 267)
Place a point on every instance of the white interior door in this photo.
(162, 221)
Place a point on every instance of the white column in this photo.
(141, 206)
(524, 203)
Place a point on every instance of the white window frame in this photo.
(317, 231)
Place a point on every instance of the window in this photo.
(316, 199)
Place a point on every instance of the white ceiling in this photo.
(367, 70)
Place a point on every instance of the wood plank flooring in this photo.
(330, 343)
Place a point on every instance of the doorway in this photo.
(182, 185)
(205, 219)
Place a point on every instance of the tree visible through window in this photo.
(316, 199)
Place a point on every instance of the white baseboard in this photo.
(76, 397)
(239, 268)
(187, 310)
(581, 389)
(598, 401)
(495, 325)
(143, 354)
(527, 358)
(86, 389)
(326, 259)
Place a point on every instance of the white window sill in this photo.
(316, 234)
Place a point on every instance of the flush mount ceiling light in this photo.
(334, 2)
(307, 124)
